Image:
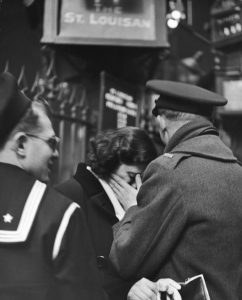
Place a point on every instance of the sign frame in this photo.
(52, 27)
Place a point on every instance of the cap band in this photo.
(171, 103)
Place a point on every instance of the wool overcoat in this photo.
(85, 189)
(45, 250)
(189, 214)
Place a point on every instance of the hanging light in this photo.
(176, 13)
(172, 23)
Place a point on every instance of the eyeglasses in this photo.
(53, 141)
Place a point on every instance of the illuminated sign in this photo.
(118, 103)
(112, 22)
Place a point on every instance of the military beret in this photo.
(13, 104)
(184, 97)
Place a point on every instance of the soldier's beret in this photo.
(13, 104)
(184, 97)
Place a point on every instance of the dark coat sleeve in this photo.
(149, 231)
(75, 265)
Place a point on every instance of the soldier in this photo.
(189, 212)
(45, 250)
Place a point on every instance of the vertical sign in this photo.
(118, 103)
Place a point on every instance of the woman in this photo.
(123, 152)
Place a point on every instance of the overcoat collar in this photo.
(200, 138)
(197, 127)
(87, 180)
(94, 190)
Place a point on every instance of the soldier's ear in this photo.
(162, 123)
(20, 142)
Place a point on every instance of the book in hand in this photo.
(193, 288)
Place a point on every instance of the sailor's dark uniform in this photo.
(45, 251)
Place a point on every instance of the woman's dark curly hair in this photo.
(127, 145)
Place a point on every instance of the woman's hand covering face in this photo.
(125, 193)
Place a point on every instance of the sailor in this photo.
(45, 251)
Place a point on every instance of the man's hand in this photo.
(125, 193)
(170, 287)
(143, 289)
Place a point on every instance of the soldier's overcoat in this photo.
(189, 215)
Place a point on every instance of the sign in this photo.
(232, 90)
(118, 103)
(106, 22)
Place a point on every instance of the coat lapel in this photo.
(103, 203)
(94, 190)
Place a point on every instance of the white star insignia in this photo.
(7, 218)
